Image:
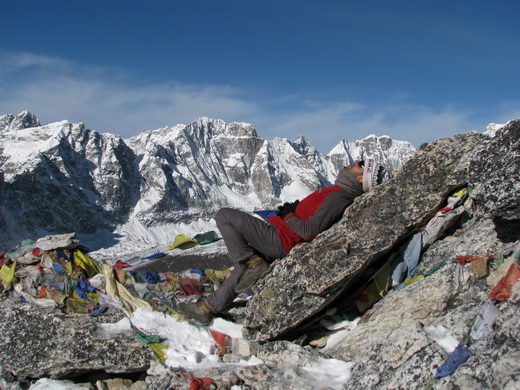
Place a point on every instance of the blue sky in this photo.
(328, 70)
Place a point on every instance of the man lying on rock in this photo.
(254, 244)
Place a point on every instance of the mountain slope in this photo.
(62, 177)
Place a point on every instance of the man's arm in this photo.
(329, 212)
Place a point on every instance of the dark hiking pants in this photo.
(246, 237)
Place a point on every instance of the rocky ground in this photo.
(406, 340)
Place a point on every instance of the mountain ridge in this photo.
(62, 177)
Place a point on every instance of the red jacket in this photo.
(317, 218)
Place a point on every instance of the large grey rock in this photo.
(40, 343)
(392, 349)
(310, 278)
(494, 174)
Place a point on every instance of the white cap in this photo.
(373, 174)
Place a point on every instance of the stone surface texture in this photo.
(392, 346)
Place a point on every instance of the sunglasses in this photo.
(361, 163)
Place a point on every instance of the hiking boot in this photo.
(197, 311)
(255, 269)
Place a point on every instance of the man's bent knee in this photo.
(225, 213)
(221, 215)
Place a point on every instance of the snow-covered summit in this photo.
(62, 177)
(23, 120)
(492, 128)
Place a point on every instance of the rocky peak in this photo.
(5, 121)
(492, 128)
(164, 177)
(498, 196)
(304, 146)
(23, 120)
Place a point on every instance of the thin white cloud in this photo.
(324, 127)
(10, 61)
(108, 100)
(57, 91)
(125, 110)
(321, 125)
(418, 124)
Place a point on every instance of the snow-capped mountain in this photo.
(62, 177)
